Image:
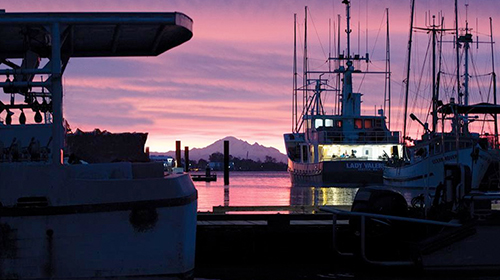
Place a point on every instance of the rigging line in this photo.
(317, 34)
(421, 77)
(482, 75)
(319, 66)
(373, 51)
(487, 98)
(366, 28)
(477, 80)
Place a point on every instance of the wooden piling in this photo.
(178, 153)
(186, 159)
(226, 162)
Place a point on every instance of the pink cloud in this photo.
(234, 77)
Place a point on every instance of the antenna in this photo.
(348, 30)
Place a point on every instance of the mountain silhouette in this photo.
(237, 148)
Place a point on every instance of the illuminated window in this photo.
(329, 123)
(339, 124)
(358, 123)
(368, 123)
(318, 123)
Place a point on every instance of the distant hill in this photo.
(237, 148)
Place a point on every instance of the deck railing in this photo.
(379, 218)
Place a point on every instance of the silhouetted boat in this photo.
(424, 159)
(118, 220)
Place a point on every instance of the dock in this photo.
(245, 242)
(206, 178)
(281, 245)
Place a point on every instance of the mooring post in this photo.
(186, 159)
(226, 162)
(178, 153)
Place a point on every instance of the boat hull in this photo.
(337, 173)
(429, 172)
(101, 229)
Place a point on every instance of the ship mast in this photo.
(466, 40)
(457, 49)
(387, 85)
(494, 78)
(294, 98)
(348, 28)
(407, 80)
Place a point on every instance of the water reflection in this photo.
(275, 189)
(318, 196)
(267, 189)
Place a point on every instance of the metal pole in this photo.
(304, 68)
(457, 53)
(226, 162)
(294, 98)
(387, 91)
(178, 153)
(407, 85)
(57, 102)
(348, 30)
(339, 95)
(434, 96)
(186, 159)
(494, 77)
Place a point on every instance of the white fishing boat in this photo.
(121, 220)
(346, 147)
(453, 232)
(450, 138)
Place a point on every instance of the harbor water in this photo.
(273, 189)
(276, 189)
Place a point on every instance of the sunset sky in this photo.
(234, 77)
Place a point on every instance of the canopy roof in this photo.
(93, 34)
(480, 108)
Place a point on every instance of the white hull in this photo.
(429, 172)
(337, 173)
(97, 228)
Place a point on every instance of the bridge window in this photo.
(329, 123)
(358, 123)
(378, 123)
(318, 123)
(368, 123)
